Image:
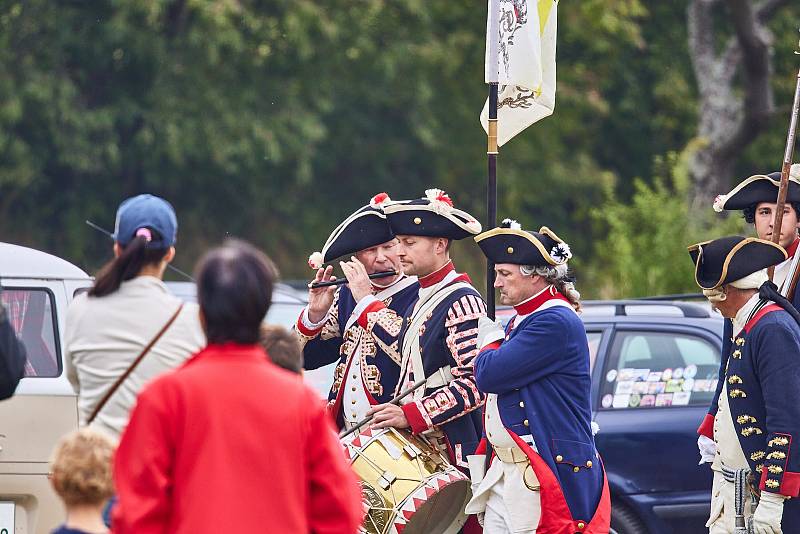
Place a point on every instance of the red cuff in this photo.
(481, 447)
(303, 329)
(707, 428)
(375, 306)
(494, 345)
(790, 484)
(415, 418)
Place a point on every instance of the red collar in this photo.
(436, 276)
(792, 248)
(535, 302)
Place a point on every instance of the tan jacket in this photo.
(105, 335)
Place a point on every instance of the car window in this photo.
(594, 338)
(30, 312)
(659, 369)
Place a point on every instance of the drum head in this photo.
(443, 512)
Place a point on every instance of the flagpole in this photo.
(492, 77)
(783, 188)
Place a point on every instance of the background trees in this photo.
(273, 120)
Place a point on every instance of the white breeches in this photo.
(722, 519)
(507, 505)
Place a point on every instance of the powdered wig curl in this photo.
(558, 276)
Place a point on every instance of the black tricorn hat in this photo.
(431, 216)
(759, 188)
(731, 258)
(365, 228)
(511, 244)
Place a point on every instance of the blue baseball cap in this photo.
(146, 211)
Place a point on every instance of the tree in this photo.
(734, 83)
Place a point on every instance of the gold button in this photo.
(525, 422)
(510, 250)
(417, 220)
(576, 469)
(559, 458)
(521, 404)
(589, 464)
(581, 525)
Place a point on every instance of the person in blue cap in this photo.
(109, 328)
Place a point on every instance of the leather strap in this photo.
(121, 379)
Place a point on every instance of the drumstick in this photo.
(395, 401)
(340, 281)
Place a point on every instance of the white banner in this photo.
(526, 64)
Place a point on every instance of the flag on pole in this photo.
(521, 58)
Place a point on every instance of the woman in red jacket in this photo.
(229, 442)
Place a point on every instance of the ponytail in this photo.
(769, 291)
(127, 265)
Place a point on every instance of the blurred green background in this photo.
(271, 121)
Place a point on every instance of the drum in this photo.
(407, 485)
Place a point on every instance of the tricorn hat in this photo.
(365, 228)
(728, 259)
(431, 216)
(511, 244)
(759, 188)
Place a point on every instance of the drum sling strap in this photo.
(411, 348)
(123, 376)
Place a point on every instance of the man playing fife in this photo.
(545, 475)
(756, 415)
(439, 336)
(368, 369)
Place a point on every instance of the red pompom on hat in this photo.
(379, 199)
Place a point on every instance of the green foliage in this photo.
(644, 251)
(272, 121)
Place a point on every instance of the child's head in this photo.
(282, 347)
(81, 468)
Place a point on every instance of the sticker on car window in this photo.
(634, 401)
(690, 371)
(648, 400)
(621, 401)
(673, 386)
(624, 388)
(688, 384)
(664, 399)
(607, 400)
(611, 375)
(654, 376)
(666, 374)
(681, 398)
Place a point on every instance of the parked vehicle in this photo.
(38, 288)
(654, 373)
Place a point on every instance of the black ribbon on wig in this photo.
(769, 291)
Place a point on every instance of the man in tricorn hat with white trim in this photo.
(367, 369)
(756, 421)
(545, 473)
(439, 334)
(756, 196)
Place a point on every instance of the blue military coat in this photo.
(334, 341)
(541, 376)
(762, 373)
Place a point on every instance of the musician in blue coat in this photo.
(756, 197)
(756, 417)
(367, 369)
(546, 475)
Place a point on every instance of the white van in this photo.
(37, 290)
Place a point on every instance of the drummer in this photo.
(440, 334)
(367, 369)
(546, 474)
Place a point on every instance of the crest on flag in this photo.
(521, 58)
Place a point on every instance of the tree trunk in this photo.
(735, 95)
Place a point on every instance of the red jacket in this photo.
(231, 443)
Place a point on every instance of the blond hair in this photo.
(282, 346)
(81, 467)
